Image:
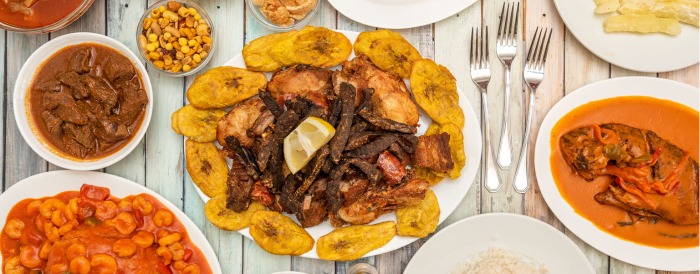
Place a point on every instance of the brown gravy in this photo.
(86, 102)
(676, 123)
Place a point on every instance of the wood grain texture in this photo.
(4, 97)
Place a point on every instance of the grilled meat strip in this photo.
(347, 95)
(377, 201)
(652, 176)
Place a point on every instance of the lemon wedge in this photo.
(301, 145)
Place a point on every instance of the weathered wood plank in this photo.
(4, 97)
(20, 160)
(688, 75)
(122, 21)
(229, 25)
(579, 58)
(326, 17)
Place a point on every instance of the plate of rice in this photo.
(499, 243)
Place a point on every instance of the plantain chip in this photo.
(278, 234)
(421, 219)
(435, 90)
(388, 50)
(196, 124)
(456, 148)
(224, 87)
(256, 54)
(353, 242)
(207, 167)
(224, 218)
(428, 175)
(314, 46)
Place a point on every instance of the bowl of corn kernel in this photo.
(175, 37)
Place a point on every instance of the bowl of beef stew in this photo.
(83, 101)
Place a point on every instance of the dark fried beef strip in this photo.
(283, 126)
(234, 149)
(361, 138)
(347, 96)
(408, 142)
(299, 105)
(335, 115)
(366, 167)
(80, 62)
(335, 202)
(313, 205)
(315, 166)
(72, 79)
(359, 125)
(373, 148)
(288, 199)
(399, 153)
(270, 103)
(385, 124)
(239, 186)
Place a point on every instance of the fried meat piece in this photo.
(393, 171)
(340, 139)
(377, 201)
(302, 80)
(433, 152)
(238, 121)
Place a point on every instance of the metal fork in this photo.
(506, 49)
(481, 75)
(533, 76)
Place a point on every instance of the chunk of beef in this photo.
(119, 69)
(52, 100)
(132, 103)
(53, 123)
(313, 206)
(73, 147)
(82, 134)
(100, 90)
(72, 79)
(239, 187)
(111, 131)
(72, 113)
(51, 85)
(80, 62)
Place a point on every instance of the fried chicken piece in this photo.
(302, 80)
(376, 201)
(391, 99)
(433, 152)
(238, 121)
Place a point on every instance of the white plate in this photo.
(640, 52)
(533, 239)
(399, 14)
(449, 192)
(686, 259)
(55, 182)
(26, 77)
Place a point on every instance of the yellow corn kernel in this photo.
(185, 49)
(191, 43)
(152, 37)
(161, 9)
(182, 41)
(197, 17)
(207, 39)
(155, 13)
(167, 35)
(159, 64)
(186, 68)
(154, 55)
(168, 46)
(184, 12)
(197, 58)
(151, 47)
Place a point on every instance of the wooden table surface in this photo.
(158, 161)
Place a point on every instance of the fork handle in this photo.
(489, 175)
(505, 160)
(521, 183)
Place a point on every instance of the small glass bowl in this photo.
(202, 13)
(69, 19)
(298, 24)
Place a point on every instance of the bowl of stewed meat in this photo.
(83, 101)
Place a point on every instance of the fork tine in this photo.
(511, 9)
(471, 50)
(530, 51)
(486, 45)
(515, 26)
(500, 22)
(540, 51)
(546, 49)
(538, 48)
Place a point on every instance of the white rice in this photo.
(498, 260)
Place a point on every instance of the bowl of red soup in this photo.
(83, 101)
(40, 16)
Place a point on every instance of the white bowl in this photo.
(24, 81)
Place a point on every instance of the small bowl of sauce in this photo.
(83, 101)
(40, 16)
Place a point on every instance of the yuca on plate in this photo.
(648, 16)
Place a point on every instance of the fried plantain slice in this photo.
(456, 148)
(224, 87)
(435, 90)
(421, 219)
(278, 234)
(196, 124)
(314, 46)
(429, 176)
(207, 167)
(256, 54)
(224, 218)
(388, 50)
(353, 242)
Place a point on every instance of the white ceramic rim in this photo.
(54, 182)
(645, 53)
(456, 189)
(532, 238)
(399, 14)
(686, 259)
(24, 81)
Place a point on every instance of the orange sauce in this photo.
(44, 13)
(674, 122)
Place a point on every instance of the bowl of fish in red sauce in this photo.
(83, 101)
